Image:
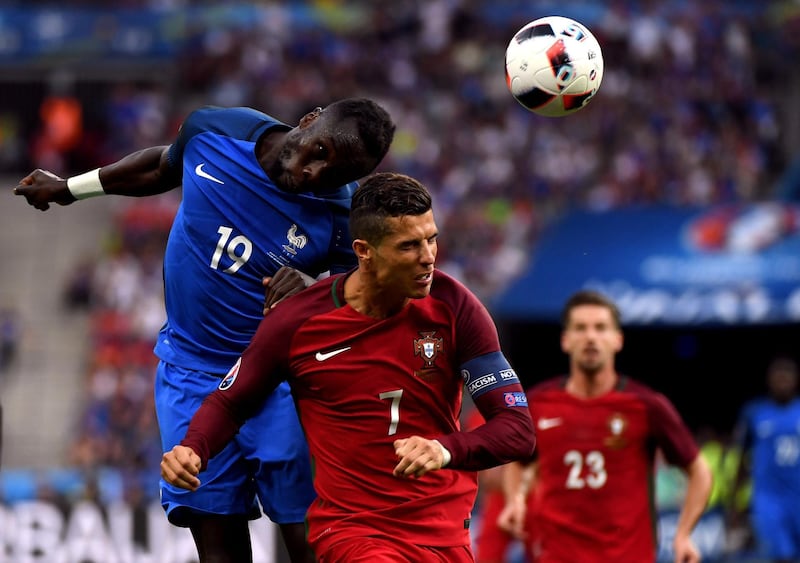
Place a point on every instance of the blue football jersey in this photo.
(772, 434)
(233, 227)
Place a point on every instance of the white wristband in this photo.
(86, 185)
(445, 453)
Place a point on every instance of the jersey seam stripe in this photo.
(334, 293)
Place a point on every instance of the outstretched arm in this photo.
(143, 173)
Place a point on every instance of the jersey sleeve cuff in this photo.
(445, 454)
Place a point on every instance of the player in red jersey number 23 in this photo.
(598, 432)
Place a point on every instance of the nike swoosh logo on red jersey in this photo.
(547, 423)
(322, 357)
(203, 174)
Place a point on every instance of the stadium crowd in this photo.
(689, 113)
(670, 126)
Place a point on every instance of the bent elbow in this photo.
(525, 440)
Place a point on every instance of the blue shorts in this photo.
(776, 521)
(267, 459)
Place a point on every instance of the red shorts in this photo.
(388, 550)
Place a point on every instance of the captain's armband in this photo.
(487, 372)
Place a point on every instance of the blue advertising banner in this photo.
(729, 265)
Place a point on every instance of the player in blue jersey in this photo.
(259, 197)
(768, 432)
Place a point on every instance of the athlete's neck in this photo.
(587, 385)
(268, 148)
(365, 296)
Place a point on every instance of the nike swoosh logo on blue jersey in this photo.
(203, 174)
(322, 357)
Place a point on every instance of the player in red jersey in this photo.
(597, 434)
(377, 360)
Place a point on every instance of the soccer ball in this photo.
(554, 66)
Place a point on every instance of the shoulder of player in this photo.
(459, 300)
(654, 400)
(759, 404)
(239, 122)
(447, 288)
(626, 383)
(338, 201)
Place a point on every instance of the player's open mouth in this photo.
(424, 278)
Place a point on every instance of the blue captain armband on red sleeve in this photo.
(487, 372)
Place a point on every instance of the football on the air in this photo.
(554, 66)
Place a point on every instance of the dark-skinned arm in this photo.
(143, 173)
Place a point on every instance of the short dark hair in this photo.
(375, 125)
(383, 195)
(589, 297)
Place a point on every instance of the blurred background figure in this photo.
(598, 435)
(769, 435)
(10, 335)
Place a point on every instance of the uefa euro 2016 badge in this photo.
(616, 426)
(427, 348)
(231, 376)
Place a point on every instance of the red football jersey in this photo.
(594, 488)
(361, 383)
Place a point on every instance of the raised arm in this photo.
(142, 173)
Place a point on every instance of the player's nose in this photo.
(312, 171)
(428, 254)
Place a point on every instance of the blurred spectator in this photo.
(77, 293)
(10, 335)
(61, 125)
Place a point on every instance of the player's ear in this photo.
(564, 347)
(620, 341)
(362, 250)
(309, 118)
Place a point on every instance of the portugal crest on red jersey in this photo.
(617, 425)
(428, 347)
